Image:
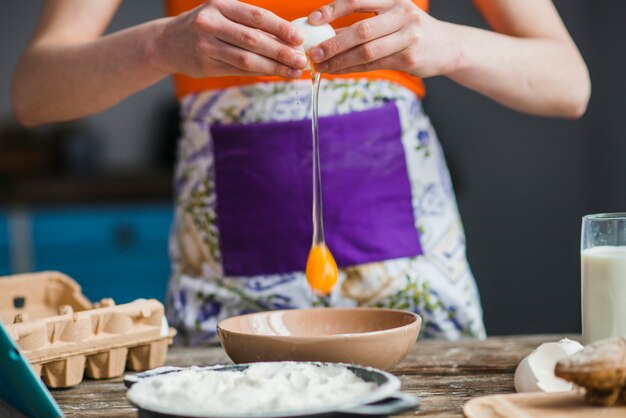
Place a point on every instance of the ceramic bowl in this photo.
(372, 337)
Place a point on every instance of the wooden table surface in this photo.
(443, 374)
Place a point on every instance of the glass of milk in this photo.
(603, 267)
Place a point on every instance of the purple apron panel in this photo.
(264, 186)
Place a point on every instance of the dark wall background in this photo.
(523, 182)
(125, 135)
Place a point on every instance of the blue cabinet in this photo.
(5, 248)
(112, 251)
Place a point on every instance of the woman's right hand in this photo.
(229, 37)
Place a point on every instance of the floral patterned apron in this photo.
(242, 227)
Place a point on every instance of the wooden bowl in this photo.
(372, 337)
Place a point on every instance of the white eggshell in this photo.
(535, 373)
(313, 35)
(571, 346)
(524, 379)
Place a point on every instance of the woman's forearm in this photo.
(70, 70)
(533, 75)
(57, 81)
(529, 64)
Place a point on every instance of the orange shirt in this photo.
(288, 10)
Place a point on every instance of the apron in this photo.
(242, 226)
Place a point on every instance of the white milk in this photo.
(603, 293)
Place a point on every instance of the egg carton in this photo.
(64, 336)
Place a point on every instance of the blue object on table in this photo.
(19, 386)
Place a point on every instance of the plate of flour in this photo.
(267, 390)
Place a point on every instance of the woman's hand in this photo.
(71, 69)
(229, 37)
(400, 37)
(529, 63)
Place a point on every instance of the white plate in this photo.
(388, 387)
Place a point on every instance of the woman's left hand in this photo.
(400, 37)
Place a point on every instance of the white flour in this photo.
(262, 388)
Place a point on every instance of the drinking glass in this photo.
(603, 281)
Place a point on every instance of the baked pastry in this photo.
(601, 369)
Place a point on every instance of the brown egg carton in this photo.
(65, 336)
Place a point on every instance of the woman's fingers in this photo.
(391, 62)
(340, 8)
(256, 17)
(258, 42)
(221, 69)
(249, 62)
(357, 34)
(365, 53)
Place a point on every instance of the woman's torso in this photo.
(243, 200)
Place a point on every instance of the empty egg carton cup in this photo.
(65, 336)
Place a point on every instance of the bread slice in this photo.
(600, 368)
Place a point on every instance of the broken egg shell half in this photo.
(535, 373)
(313, 35)
(571, 346)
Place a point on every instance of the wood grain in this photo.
(444, 374)
(544, 405)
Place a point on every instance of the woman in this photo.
(242, 225)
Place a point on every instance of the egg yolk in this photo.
(321, 269)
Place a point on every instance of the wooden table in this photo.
(444, 374)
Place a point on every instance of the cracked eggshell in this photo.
(571, 346)
(313, 35)
(535, 373)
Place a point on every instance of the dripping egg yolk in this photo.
(321, 269)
